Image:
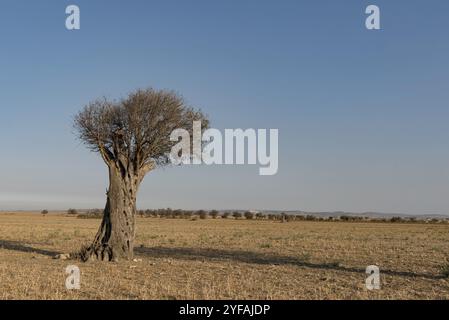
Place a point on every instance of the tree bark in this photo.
(115, 237)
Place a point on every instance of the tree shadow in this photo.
(18, 246)
(262, 259)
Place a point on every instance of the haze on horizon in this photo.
(362, 115)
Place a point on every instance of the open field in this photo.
(226, 259)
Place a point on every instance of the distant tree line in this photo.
(250, 215)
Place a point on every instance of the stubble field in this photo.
(226, 259)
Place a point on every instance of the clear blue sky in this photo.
(362, 115)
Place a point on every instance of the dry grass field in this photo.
(226, 259)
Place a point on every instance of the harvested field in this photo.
(226, 259)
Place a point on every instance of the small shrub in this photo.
(187, 214)
(91, 214)
(237, 215)
(249, 215)
(169, 213)
(150, 213)
(225, 215)
(201, 214)
(72, 212)
(177, 213)
(286, 217)
(44, 212)
(165, 213)
(214, 214)
(260, 215)
(396, 219)
(445, 270)
(283, 217)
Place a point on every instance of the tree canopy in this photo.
(133, 134)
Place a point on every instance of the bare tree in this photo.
(133, 138)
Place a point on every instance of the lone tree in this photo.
(133, 138)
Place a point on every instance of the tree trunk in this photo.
(115, 238)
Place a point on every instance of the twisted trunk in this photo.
(115, 238)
